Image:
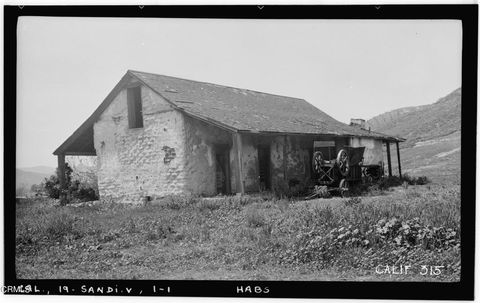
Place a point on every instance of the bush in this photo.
(390, 181)
(422, 180)
(74, 188)
(392, 238)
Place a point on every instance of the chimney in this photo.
(360, 123)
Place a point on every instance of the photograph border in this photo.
(463, 290)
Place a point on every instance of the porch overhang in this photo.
(80, 143)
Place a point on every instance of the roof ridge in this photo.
(227, 86)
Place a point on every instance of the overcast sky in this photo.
(67, 66)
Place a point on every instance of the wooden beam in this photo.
(228, 187)
(285, 158)
(237, 143)
(80, 154)
(61, 170)
(389, 159)
(61, 178)
(93, 117)
(398, 157)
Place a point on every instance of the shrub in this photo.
(422, 180)
(75, 188)
(392, 240)
(390, 181)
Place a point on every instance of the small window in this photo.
(134, 102)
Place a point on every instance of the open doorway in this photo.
(264, 167)
(222, 173)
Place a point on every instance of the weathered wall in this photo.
(147, 161)
(201, 143)
(175, 154)
(290, 162)
(84, 170)
(249, 164)
(373, 149)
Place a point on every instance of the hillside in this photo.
(432, 134)
(83, 170)
(28, 176)
(421, 123)
(42, 169)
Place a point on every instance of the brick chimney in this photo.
(360, 123)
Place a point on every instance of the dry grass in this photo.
(241, 237)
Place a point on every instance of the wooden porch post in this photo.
(228, 188)
(61, 170)
(398, 157)
(61, 177)
(285, 158)
(389, 160)
(237, 143)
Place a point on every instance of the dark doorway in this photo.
(264, 166)
(222, 164)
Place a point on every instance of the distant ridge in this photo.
(420, 123)
(42, 169)
(28, 176)
(432, 132)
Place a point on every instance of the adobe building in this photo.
(156, 135)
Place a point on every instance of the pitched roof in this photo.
(249, 111)
(231, 108)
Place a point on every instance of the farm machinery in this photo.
(343, 171)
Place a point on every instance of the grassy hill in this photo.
(28, 176)
(432, 133)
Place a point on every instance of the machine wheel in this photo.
(317, 161)
(343, 187)
(343, 162)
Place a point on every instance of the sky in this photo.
(347, 68)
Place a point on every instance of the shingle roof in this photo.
(232, 108)
(249, 111)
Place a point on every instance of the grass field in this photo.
(245, 238)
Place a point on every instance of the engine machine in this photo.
(343, 169)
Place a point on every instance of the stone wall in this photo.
(176, 154)
(148, 161)
(201, 144)
(84, 170)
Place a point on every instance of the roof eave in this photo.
(62, 149)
